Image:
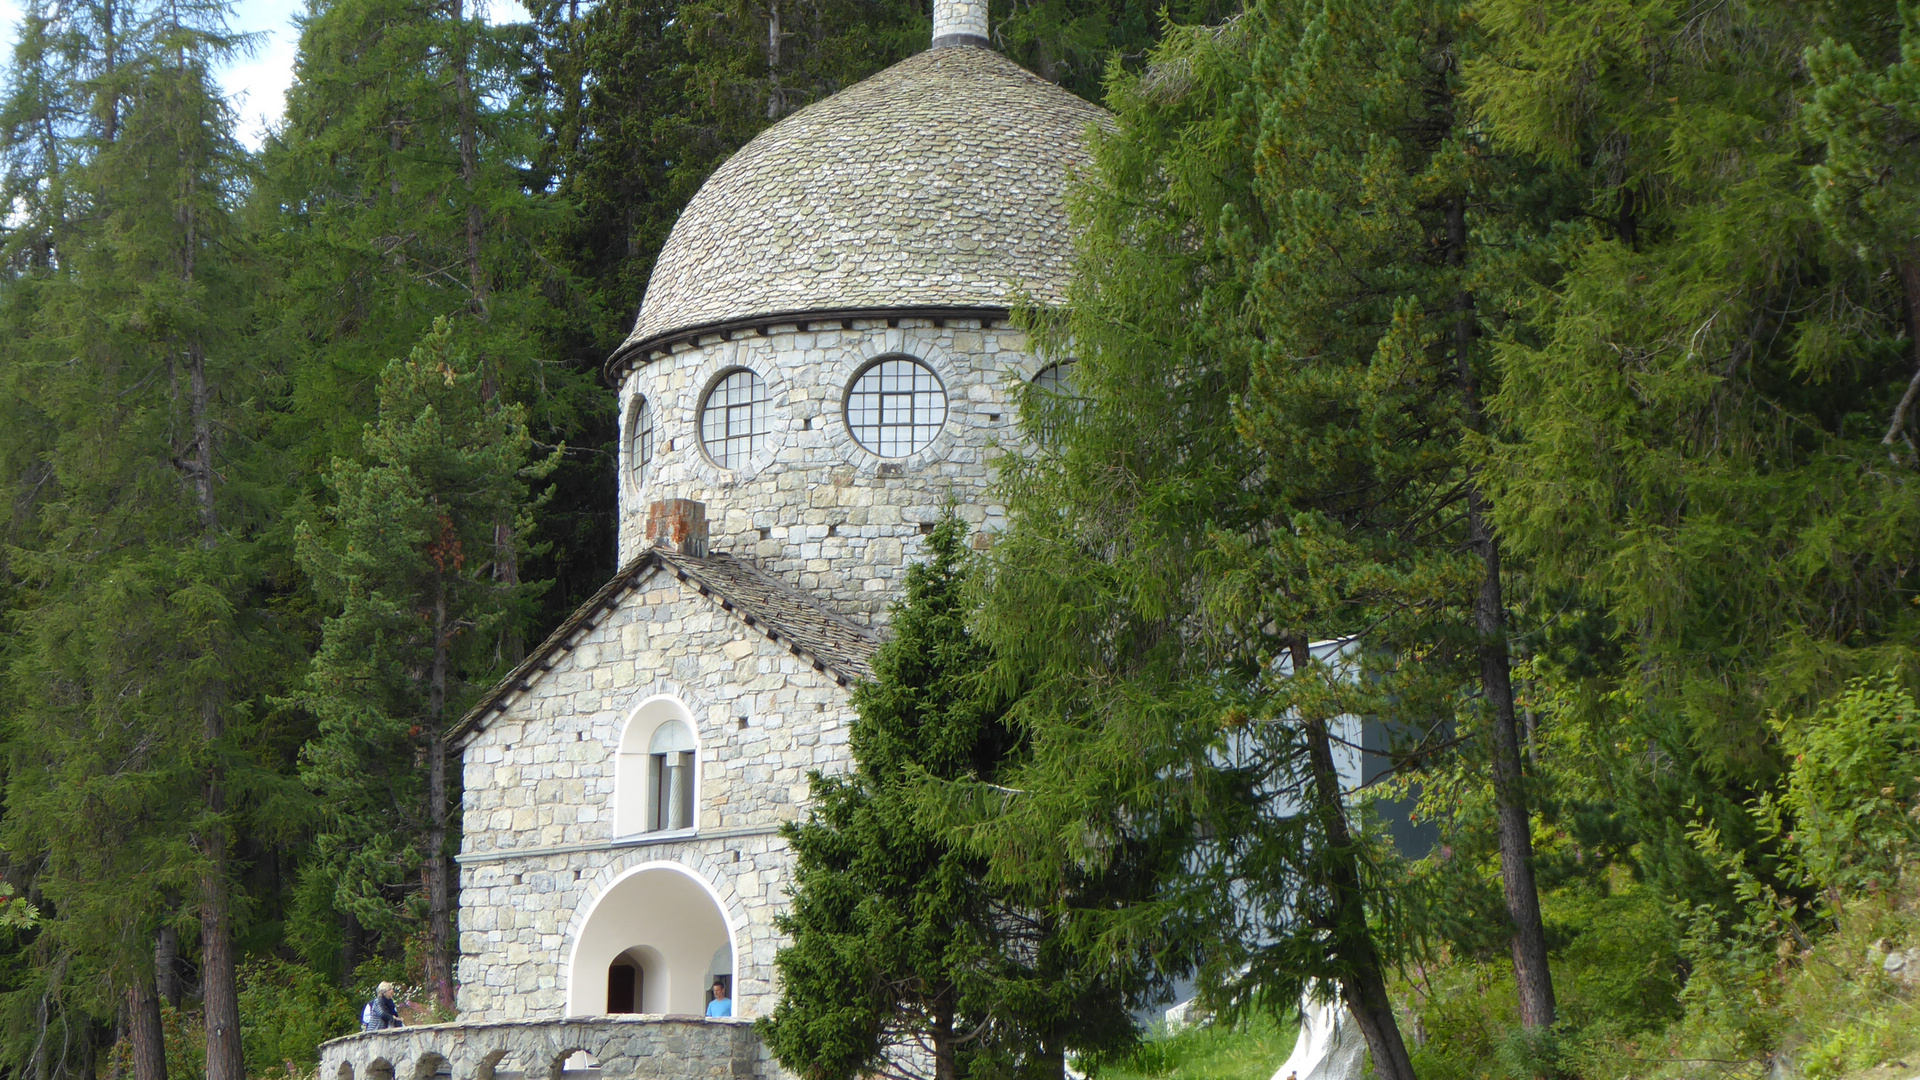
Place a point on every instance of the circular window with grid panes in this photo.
(734, 419)
(896, 406)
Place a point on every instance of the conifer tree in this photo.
(1866, 189)
(1388, 238)
(393, 200)
(1162, 716)
(394, 193)
(904, 955)
(406, 552)
(1694, 415)
(143, 651)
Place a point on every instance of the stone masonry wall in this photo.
(539, 783)
(964, 17)
(832, 518)
(657, 1048)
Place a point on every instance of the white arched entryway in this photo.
(667, 923)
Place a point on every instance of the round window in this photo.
(896, 407)
(640, 438)
(733, 420)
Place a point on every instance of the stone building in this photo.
(821, 366)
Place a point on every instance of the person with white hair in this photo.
(381, 1013)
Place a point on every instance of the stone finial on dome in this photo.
(959, 22)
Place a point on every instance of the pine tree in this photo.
(406, 553)
(1867, 187)
(395, 193)
(904, 953)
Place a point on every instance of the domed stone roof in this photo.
(939, 182)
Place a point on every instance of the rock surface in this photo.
(1330, 1046)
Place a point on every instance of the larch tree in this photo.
(142, 659)
(1694, 416)
(1389, 239)
(1161, 717)
(395, 192)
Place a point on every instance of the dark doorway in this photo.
(623, 987)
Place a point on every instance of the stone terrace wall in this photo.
(829, 517)
(654, 1047)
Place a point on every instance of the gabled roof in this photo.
(831, 643)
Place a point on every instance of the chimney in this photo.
(678, 525)
(959, 22)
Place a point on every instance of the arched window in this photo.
(670, 777)
(640, 436)
(1051, 401)
(657, 770)
(896, 406)
(1055, 379)
(734, 419)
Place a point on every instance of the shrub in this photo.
(1850, 796)
(286, 1012)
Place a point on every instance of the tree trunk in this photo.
(110, 58)
(1909, 271)
(506, 573)
(775, 103)
(350, 951)
(145, 1031)
(439, 881)
(201, 466)
(219, 973)
(1532, 976)
(166, 965)
(39, 1056)
(1364, 991)
(469, 158)
(1528, 944)
(945, 1067)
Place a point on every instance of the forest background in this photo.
(1612, 305)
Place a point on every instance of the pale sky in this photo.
(256, 84)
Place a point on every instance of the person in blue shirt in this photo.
(721, 1005)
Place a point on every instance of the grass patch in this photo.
(1249, 1051)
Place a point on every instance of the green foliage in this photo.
(1204, 1051)
(1851, 797)
(414, 554)
(16, 913)
(899, 939)
(1864, 187)
(286, 1012)
(1695, 406)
